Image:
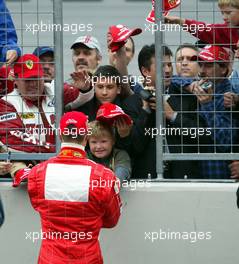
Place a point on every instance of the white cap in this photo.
(88, 41)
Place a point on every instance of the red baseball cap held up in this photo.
(28, 66)
(212, 53)
(76, 120)
(168, 5)
(120, 34)
(6, 80)
(20, 176)
(109, 112)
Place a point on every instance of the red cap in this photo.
(214, 54)
(76, 120)
(110, 112)
(120, 34)
(28, 66)
(114, 46)
(6, 80)
(20, 175)
(151, 17)
(168, 5)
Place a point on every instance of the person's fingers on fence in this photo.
(234, 167)
(229, 99)
(5, 167)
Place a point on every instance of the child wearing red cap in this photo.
(226, 34)
(101, 150)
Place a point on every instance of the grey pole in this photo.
(58, 42)
(159, 86)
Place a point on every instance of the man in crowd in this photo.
(46, 56)
(27, 113)
(214, 63)
(28, 109)
(186, 66)
(214, 67)
(180, 111)
(143, 114)
(86, 57)
(143, 148)
(75, 94)
(75, 198)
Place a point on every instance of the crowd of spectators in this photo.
(200, 100)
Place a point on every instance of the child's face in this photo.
(106, 90)
(230, 15)
(101, 147)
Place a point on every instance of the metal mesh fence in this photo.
(37, 24)
(196, 108)
(200, 123)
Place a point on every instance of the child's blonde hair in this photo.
(99, 129)
(233, 3)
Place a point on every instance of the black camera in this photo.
(146, 95)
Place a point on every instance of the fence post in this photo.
(159, 86)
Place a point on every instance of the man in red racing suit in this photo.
(75, 198)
